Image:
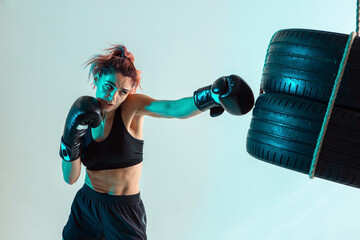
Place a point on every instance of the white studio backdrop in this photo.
(198, 180)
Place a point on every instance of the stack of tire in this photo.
(298, 77)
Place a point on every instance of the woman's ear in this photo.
(96, 78)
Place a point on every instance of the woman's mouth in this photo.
(106, 104)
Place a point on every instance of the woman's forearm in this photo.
(71, 170)
(182, 108)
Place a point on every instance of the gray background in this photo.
(198, 180)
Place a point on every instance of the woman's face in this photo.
(112, 89)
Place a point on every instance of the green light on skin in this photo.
(105, 87)
(182, 108)
(99, 130)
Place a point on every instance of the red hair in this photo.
(116, 60)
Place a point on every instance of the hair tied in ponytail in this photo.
(122, 52)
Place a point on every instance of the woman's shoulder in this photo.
(137, 101)
(134, 104)
(137, 97)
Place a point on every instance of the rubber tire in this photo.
(284, 132)
(305, 63)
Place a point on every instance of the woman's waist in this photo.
(128, 199)
(115, 190)
(114, 182)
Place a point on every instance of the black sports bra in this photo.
(119, 150)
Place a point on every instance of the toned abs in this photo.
(122, 181)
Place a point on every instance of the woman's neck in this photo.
(108, 115)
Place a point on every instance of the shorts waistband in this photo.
(111, 199)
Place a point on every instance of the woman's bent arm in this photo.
(71, 171)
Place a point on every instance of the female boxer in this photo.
(105, 134)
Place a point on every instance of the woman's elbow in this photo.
(70, 181)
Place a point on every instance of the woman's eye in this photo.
(108, 86)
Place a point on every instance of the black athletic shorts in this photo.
(97, 215)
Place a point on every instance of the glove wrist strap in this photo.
(66, 152)
(203, 99)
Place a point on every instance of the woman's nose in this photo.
(110, 96)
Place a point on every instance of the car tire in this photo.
(284, 131)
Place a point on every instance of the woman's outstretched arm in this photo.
(182, 108)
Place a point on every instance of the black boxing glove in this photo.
(204, 100)
(234, 93)
(230, 93)
(84, 112)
